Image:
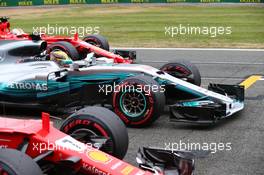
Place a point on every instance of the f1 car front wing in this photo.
(208, 110)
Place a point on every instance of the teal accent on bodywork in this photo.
(101, 76)
(58, 87)
(180, 87)
(13, 88)
(185, 89)
(191, 104)
(162, 81)
(67, 62)
(53, 87)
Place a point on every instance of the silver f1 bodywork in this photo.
(39, 81)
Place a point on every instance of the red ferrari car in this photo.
(32, 147)
(73, 46)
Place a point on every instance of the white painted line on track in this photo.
(198, 62)
(151, 61)
(194, 49)
(236, 63)
(221, 78)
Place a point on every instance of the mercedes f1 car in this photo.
(76, 48)
(137, 93)
(32, 147)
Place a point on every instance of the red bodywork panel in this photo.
(43, 137)
(81, 45)
(4, 27)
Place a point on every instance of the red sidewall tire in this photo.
(104, 123)
(155, 102)
(66, 47)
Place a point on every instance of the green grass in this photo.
(144, 26)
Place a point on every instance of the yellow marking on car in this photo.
(250, 81)
(127, 170)
(99, 156)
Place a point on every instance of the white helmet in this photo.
(18, 32)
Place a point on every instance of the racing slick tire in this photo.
(13, 162)
(66, 47)
(97, 40)
(98, 122)
(141, 106)
(184, 70)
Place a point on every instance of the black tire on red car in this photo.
(66, 47)
(13, 162)
(184, 70)
(136, 101)
(97, 40)
(98, 123)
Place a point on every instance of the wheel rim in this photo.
(133, 104)
(86, 135)
(5, 170)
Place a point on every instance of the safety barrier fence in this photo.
(7, 3)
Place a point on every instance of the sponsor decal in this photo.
(140, 173)
(98, 156)
(71, 144)
(174, 1)
(51, 2)
(77, 1)
(3, 146)
(28, 86)
(210, 1)
(3, 4)
(116, 165)
(109, 1)
(93, 170)
(25, 3)
(139, 1)
(76, 122)
(250, 1)
(127, 170)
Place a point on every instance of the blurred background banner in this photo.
(6, 3)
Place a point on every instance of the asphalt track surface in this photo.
(244, 131)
